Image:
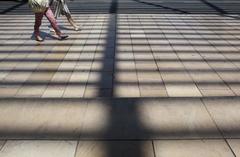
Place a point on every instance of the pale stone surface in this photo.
(152, 92)
(54, 91)
(208, 80)
(126, 90)
(235, 145)
(8, 91)
(215, 92)
(173, 118)
(2, 144)
(17, 77)
(44, 77)
(43, 118)
(114, 148)
(189, 148)
(31, 91)
(146, 65)
(72, 91)
(225, 113)
(126, 77)
(37, 148)
(189, 90)
(180, 84)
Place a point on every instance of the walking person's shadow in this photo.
(44, 35)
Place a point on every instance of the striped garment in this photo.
(60, 8)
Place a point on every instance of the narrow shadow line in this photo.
(219, 10)
(13, 7)
(233, 17)
(161, 6)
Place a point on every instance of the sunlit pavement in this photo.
(155, 80)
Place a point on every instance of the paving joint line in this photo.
(219, 130)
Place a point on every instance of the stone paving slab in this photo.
(197, 148)
(235, 145)
(225, 113)
(38, 148)
(173, 118)
(41, 119)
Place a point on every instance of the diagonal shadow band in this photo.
(161, 6)
(211, 5)
(12, 8)
(141, 6)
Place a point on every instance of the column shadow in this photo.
(116, 147)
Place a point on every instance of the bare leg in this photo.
(71, 21)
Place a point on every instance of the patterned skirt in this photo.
(60, 8)
(38, 6)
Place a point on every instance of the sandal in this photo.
(77, 28)
(62, 37)
(38, 38)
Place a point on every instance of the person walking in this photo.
(41, 8)
(60, 8)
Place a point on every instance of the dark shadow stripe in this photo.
(13, 7)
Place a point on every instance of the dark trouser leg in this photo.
(38, 22)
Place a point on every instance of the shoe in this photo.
(77, 29)
(38, 38)
(62, 37)
(52, 30)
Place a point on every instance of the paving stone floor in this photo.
(120, 127)
(122, 55)
(144, 85)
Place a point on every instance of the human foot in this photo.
(38, 38)
(76, 28)
(62, 36)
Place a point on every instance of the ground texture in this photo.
(141, 78)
